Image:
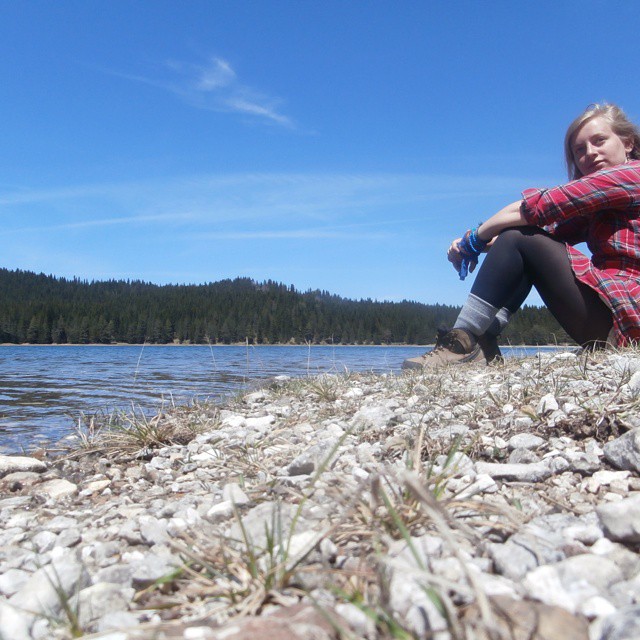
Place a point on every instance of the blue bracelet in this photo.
(472, 246)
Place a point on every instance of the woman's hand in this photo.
(454, 256)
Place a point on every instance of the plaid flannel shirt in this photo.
(603, 210)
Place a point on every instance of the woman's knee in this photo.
(527, 239)
(517, 235)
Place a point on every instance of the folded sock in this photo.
(477, 316)
(499, 322)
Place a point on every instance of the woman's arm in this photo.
(509, 216)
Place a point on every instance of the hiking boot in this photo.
(455, 346)
(489, 345)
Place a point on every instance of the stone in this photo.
(218, 512)
(14, 624)
(58, 489)
(523, 528)
(260, 424)
(624, 624)
(624, 452)
(572, 582)
(526, 619)
(40, 595)
(534, 472)
(98, 600)
(12, 581)
(373, 418)
(289, 623)
(151, 569)
(525, 441)
(13, 464)
(548, 404)
(234, 494)
(520, 455)
(621, 520)
(44, 541)
(307, 462)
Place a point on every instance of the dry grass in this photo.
(407, 497)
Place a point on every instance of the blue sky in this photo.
(328, 145)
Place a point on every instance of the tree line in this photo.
(43, 309)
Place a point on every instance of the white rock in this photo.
(534, 472)
(484, 483)
(624, 452)
(57, 489)
(547, 404)
(44, 541)
(12, 581)
(373, 417)
(235, 421)
(525, 441)
(233, 493)
(40, 594)
(11, 464)
(153, 530)
(544, 584)
(260, 424)
(596, 607)
(99, 599)
(358, 620)
(621, 520)
(14, 624)
(96, 486)
(220, 511)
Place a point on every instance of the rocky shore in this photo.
(471, 502)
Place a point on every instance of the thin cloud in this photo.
(255, 205)
(103, 222)
(291, 234)
(215, 86)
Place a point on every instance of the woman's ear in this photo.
(628, 145)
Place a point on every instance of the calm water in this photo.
(45, 390)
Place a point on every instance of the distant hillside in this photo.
(41, 309)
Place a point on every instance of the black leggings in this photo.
(527, 256)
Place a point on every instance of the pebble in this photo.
(520, 495)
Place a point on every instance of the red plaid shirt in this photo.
(603, 210)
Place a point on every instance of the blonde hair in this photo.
(619, 123)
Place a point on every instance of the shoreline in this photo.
(258, 346)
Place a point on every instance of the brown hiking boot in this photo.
(489, 345)
(456, 346)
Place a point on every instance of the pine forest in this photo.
(43, 309)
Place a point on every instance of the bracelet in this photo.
(471, 244)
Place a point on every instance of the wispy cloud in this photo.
(214, 85)
(102, 222)
(259, 205)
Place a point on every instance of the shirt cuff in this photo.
(529, 206)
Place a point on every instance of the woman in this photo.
(597, 299)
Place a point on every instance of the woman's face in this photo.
(595, 146)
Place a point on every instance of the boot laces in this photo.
(446, 340)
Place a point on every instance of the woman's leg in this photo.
(528, 256)
(519, 259)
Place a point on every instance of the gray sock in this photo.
(476, 316)
(499, 322)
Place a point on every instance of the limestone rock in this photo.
(621, 520)
(13, 464)
(624, 452)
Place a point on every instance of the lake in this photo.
(45, 390)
